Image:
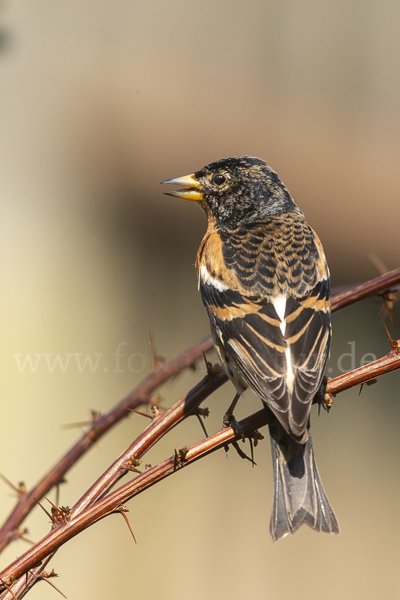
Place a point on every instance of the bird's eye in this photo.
(219, 179)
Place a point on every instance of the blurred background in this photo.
(99, 102)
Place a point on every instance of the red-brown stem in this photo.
(364, 374)
(114, 501)
(141, 394)
(379, 285)
(154, 432)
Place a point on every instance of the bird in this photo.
(265, 283)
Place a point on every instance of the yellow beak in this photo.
(191, 191)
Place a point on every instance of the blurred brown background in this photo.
(99, 102)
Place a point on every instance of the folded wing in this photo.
(279, 345)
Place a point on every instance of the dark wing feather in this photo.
(248, 336)
(247, 332)
(308, 328)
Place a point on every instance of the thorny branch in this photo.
(142, 394)
(75, 521)
(379, 285)
(95, 504)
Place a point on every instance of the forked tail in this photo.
(299, 496)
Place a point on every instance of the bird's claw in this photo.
(230, 421)
(319, 397)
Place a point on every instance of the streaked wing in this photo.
(278, 346)
(307, 333)
(249, 331)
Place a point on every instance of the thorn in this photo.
(208, 365)
(50, 502)
(393, 343)
(20, 489)
(388, 302)
(8, 588)
(387, 297)
(122, 510)
(139, 412)
(96, 415)
(45, 576)
(157, 361)
(76, 424)
(43, 508)
(58, 514)
(210, 368)
(61, 514)
(134, 470)
(155, 409)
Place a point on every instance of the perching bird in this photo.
(265, 283)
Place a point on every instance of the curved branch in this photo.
(142, 394)
(152, 434)
(379, 285)
(114, 502)
(367, 373)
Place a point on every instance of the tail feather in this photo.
(299, 496)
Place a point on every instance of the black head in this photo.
(236, 190)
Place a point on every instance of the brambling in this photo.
(265, 283)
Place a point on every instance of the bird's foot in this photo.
(320, 396)
(241, 453)
(230, 421)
